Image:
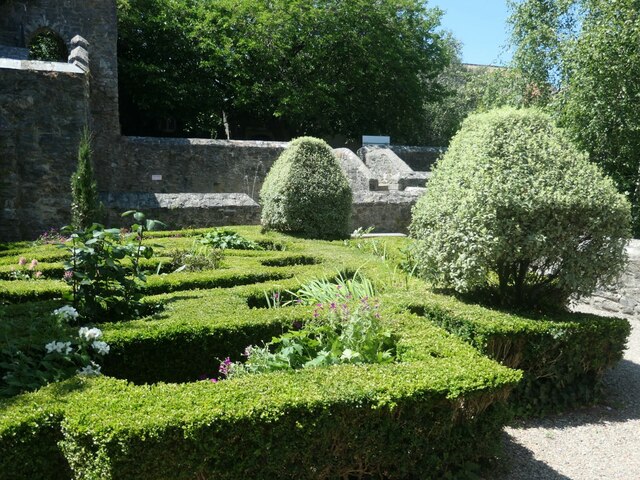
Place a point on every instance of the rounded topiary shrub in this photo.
(306, 193)
(515, 210)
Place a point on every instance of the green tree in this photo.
(323, 68)
(160, 68)
(469, 89)
(588, 50)
(47, 46)
(516, 209)
(86, 207)
(306, 192)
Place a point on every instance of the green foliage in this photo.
(469, 89)
(350, 418)
(293, 67)
(514, 207)
(338, 333)
(103, 289)
(306, 193)
(86, 207)
(222, 239)
(441, 398)
(539, 28)
(195, 259)
(48, 47)
(26, 272)
(24, 370)
(563, 356)
(343, 289)
(587, 50)
(599, 106)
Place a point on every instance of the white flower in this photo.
(66, 312)
(89, 334)
(101, 347)
(60, 347)
(92, 369)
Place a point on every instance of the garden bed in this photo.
(437, 411)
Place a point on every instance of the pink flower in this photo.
(33, 264)
(38, 274)
(22, 261)
(68, 275)
(225, 366)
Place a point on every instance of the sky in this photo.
(481, 27)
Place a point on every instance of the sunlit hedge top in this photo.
(514, 201)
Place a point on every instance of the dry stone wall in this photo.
(185, 165)
(43, 108)
(623, 298)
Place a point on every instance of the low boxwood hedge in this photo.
(439, 408)
(563, 356)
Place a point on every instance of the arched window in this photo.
(47, 45)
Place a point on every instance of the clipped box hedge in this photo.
(563, 356)
(440, 408)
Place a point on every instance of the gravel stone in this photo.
(598, 443)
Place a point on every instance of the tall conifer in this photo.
(86, 207)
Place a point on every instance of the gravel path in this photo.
(600, 443)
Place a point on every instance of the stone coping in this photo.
(168, 141)
(39, 66)
(144, 201)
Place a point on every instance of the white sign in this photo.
(376, 140)
(156, 178)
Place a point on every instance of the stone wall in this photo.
(184, 210)
(43, 108)
(96, 21)
(359, 175)
(186, 165)
(45, 105)
(623, 298)
(385, 211)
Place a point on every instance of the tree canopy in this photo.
(294, 67)
(585, 54)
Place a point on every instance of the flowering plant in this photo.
(50, 237)
(100, 282)
(26, 272)
(66, 315)
(338, 333)
(55, 361)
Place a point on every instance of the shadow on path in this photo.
(562, 438)
(520, 464)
